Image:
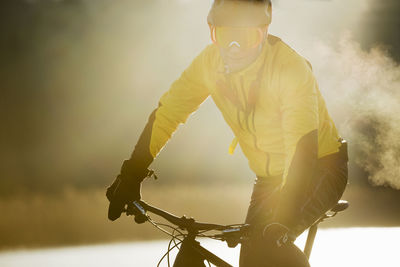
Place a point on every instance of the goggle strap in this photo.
(212, 33)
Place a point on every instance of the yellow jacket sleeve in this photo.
(183, 98)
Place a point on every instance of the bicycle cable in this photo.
(173, 236)
(167, 253)
(176, 245)
(155, 224)
(180, 234)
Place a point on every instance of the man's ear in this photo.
(268, 11)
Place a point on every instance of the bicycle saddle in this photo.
(340, 206)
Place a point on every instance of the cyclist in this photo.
(269, 96)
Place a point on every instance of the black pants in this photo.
(326, 188)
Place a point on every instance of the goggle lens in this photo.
(243, 37)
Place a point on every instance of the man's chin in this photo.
(235, 66)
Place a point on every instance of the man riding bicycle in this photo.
(269, 97)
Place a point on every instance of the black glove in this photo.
(125, 188)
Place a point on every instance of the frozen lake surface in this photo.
(349, 247)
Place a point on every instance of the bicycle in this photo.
(184, 234)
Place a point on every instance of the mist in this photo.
(362, 90)
(355, 59)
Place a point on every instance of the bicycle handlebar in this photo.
(232, 234)
(139, 209)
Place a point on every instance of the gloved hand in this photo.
(124, 189)
(121, 191)
(276, 234)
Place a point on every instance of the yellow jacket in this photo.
(269, 105)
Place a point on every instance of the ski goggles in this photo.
(243, 37)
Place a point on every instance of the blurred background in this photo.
(79, 79)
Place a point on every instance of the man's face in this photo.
(239, 29)
(238, 55)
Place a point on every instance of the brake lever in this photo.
(233, 236)
(136, 209)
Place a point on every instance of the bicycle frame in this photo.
(192, 254)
